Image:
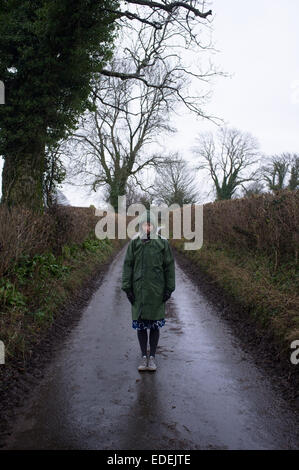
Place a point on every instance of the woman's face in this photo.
(147, 227)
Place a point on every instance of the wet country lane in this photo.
(206, 394)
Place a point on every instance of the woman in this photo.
(148, 278)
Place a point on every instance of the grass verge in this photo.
(270, 295)
(35, 289)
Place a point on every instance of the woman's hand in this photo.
(166, 295)
(131, 296)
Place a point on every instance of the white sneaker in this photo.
(143, 363)
(152, 364)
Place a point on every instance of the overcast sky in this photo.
(258, 43)
(259, 46)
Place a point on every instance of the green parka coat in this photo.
(149, 271)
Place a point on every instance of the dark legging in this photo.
(153, 341)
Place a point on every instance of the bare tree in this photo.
(154, 33)
(275, 172)
(146, 78)
(188, 10)
(54, 176)
(278, 169)
(228, 159)
(174, 183)
(126, 116)
(294, 173)
(135, 196)
(253, 189)
(134, 94)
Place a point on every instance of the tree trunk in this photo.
(22, 178)
(118, 188)
(223, 194)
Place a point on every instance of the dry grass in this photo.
(25, 233)
(271, 297)
(251, 250)
(266, 223)
(22, 232)
(43, 260)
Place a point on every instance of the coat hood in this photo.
(148, 216)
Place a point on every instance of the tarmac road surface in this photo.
(207, 393)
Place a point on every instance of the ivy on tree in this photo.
(49, 51)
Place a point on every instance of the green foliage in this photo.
(94, 245)
(40, 314)
(45, 265)
(48, 265)
(9, 295)
(69, 251)
(49, 50)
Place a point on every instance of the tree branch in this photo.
(170, 7)
(133, 16)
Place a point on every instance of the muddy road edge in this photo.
(283, 374)
(19, 379)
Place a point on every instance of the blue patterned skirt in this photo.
(144, 324)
